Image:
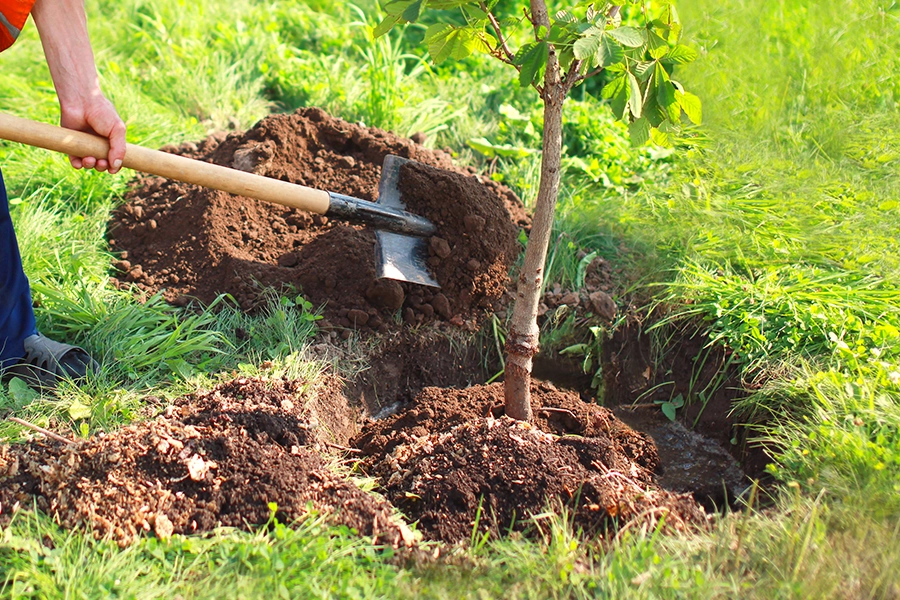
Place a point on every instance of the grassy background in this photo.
(773, 233)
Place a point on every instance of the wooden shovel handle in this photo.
(171, 166)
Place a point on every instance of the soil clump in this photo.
(452, 463)
(193, 243)
(213, 459)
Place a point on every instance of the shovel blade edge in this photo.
(402, 257)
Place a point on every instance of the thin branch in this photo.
(596, 71)
(572, 76)
(562, 411)
(503, 45)
(39, 429)
(342, 448)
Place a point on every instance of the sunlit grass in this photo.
(775, 233)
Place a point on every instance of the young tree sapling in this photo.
(556, 54)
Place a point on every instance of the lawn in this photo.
(770, 230)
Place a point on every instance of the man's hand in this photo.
(98, 117)
(62, 26)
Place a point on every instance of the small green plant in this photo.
(670, 406)
(590, 352)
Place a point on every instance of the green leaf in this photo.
(20, 393)
(681, 54)
(448, 4)
(588, 45)
(669, 16)
(655, 113)
(639, 131)
(669, 410)
(691, 106)
(474, 13)
(386, 25)
(445, 41)
(610, 53)
(658, 47)
(396, 8)
(662, 138)
(412, 12)
(532, 59)
(665, 94)
(567, 57)
(559, 34)
(581, 270)
(575, 349)
(79, 411)
(627, 36)
(483, 42)
(635, 100)
(565, 16)
(886, 205)
(642, 70)
(616, 91)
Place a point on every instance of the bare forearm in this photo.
(62, 25)
(63, 29)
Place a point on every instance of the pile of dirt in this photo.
(449, 461)
(214, 459)
(196, 243)
(449, 464)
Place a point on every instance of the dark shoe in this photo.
(47, 362)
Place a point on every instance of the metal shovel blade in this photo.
(402, 257)
(399, 256)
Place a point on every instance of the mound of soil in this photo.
(214, 459)
(196, 243)
(449, 464)
(225, 457)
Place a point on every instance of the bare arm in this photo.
(62, 25)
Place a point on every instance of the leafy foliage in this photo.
(586, 41)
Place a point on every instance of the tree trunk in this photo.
(523, 340)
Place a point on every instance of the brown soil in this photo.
(449, 464)
(445, 456)
(196, 243)
(214, 459)
(225, 457)
(633, 374)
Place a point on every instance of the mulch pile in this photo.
(197, 243)
(214, 459)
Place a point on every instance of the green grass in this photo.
(772, 232)
(804, 549)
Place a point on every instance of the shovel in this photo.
(400, 247)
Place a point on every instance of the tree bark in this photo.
(523, 340)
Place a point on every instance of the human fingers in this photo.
(105, 121)
(100, 118)
(116, 146)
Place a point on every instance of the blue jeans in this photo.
(16, 313)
